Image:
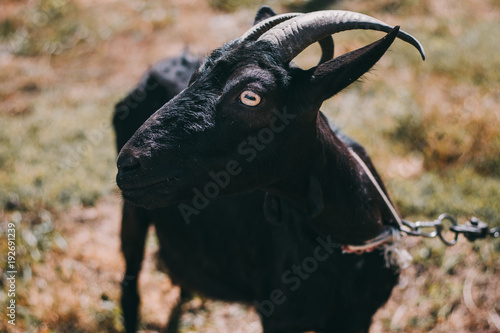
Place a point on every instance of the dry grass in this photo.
(64, 65)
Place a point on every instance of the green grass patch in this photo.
(45, 27)
(472, 56)
(460, 193)
(60, 154)
(35, 235)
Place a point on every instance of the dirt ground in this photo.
(89, 272)
(79, 284)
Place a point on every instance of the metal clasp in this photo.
(436, 224)
(472, 230)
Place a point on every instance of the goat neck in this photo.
(331, 191)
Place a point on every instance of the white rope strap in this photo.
(377, 186)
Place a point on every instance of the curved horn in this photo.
(257, 30)
(327, 49)
(294, 35)
(327, 45)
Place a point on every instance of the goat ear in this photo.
(332, 76)
(263, 13)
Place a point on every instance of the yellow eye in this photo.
(249, 98)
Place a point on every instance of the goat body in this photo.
(252, 199)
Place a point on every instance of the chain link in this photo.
(447, 224)
(472, 230)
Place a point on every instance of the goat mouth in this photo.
(130, 187)
(151, 195)
(147, 186)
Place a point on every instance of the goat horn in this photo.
(327, 49)
(257, 30)
(295, 34)
(327, 45)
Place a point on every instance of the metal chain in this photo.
(472, 229)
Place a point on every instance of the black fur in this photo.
(271, 236)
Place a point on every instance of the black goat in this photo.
(250, 121)
(161, 83)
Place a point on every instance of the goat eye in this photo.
(249, 98)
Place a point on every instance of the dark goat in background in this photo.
(250, 121)
(162, 82)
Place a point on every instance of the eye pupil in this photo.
(250, 98)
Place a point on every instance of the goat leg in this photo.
(135, 223)
(175, 314)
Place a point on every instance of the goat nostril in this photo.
(128, 162)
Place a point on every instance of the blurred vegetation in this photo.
(55, 26)
(36, 237)
(52, 161)
(46, 27)
(468, 57)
